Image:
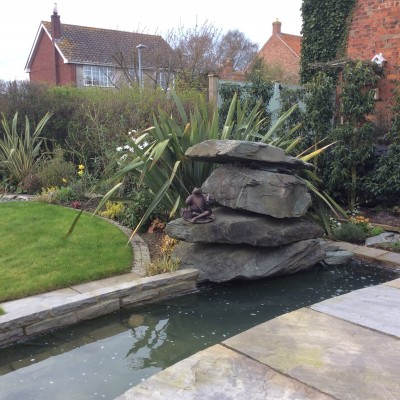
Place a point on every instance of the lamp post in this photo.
(139, 48)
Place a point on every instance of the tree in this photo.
(236, 48)
(202, 50)
(195, 52)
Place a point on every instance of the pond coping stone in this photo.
(38, 314)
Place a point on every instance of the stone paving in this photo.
(346, 348)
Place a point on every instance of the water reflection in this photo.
(104, 357)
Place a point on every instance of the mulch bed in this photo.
(382, 217)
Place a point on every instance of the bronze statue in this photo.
(199, 210)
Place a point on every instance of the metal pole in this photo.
(140, 47)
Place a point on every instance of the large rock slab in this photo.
(237, 227)
(338, 257)
(264, 192)
(385, 237)
(223, 262)
(256, 154)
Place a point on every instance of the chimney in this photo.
(55, 35)
(276, 27)
(55, 24)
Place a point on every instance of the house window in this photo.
(98, 76)
(132, 74)
(162, 79)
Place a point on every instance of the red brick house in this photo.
(375, 29)
(282, 50)
(65, 54)
(228, 73)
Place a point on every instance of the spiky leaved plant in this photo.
(20, 152)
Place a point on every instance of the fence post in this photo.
(213, 90)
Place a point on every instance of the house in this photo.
(282, 51)
(374, 34)
(229, 74)
(64, 54)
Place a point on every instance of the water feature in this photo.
(102, 358)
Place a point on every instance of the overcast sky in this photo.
(20, 20)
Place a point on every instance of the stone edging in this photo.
(141, 254)
(53, 312)
(371, 254)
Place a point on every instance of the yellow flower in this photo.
(80, 172)
(81, 167)
(64, 180)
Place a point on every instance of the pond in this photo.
(104, 357)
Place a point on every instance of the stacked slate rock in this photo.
(259, 228)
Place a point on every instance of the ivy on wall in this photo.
(325, 29)
(385, 181)
(351, 159)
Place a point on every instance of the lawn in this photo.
(35, 257)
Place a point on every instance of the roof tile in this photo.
(293, 41)
(80, 44)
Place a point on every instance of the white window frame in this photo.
(161, 79)
(94, 75)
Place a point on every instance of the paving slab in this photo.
(336, 357)
(101, 283)
(376, 307)
(390, 258)
(343, 245)
(218, 373)
(368, 253)
(38, 302)
(395, 283)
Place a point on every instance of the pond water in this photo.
(104, 357)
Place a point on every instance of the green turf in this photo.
(35, 257)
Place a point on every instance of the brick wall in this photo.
(42, 69)
(275, 52)
(375, 29)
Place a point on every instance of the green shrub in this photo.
(2, 312)
(84, 184)
(393, 246)
(349, 232)
(162, 266)
(135, 209)
(65, 195)
(31, 184)
(113, 210)
(375, 231)
(48, 195)
(88, 122)
(56, 195)
(56, 171)
(20, 152)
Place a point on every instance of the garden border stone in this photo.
(42, 313)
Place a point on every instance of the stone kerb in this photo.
(18, 324)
